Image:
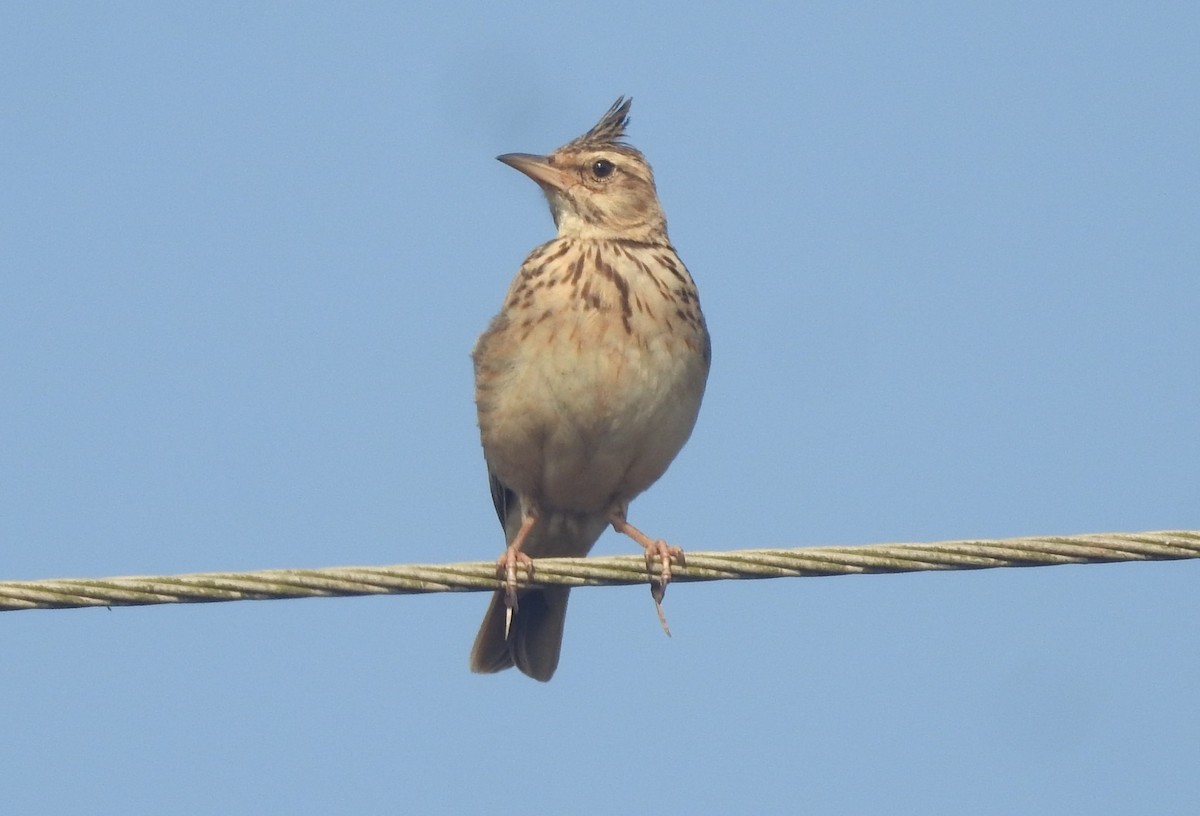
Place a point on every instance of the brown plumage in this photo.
(587, 383)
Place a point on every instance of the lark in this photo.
(587, 383)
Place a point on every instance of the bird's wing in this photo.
(503, 498)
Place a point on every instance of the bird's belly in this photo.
(587, 424)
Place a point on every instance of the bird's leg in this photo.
(655, 548)
(506, 565)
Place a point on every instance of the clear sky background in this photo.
(950, 258)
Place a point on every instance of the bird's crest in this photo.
(610, 129)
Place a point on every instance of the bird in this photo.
(587, 383)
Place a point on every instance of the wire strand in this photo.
(475, 576)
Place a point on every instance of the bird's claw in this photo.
(666, 555)
(506, 569)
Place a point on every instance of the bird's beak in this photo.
(537, 168)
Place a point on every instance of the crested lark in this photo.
(587, 383)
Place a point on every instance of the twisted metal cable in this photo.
(407, 579)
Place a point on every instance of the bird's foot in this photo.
(506, 569)
(666, 554)
(656, 550)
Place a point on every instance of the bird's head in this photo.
(598, 186)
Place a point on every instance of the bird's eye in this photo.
(602, 168)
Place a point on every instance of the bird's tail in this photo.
(534, 638)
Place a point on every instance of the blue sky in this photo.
(949, 257)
